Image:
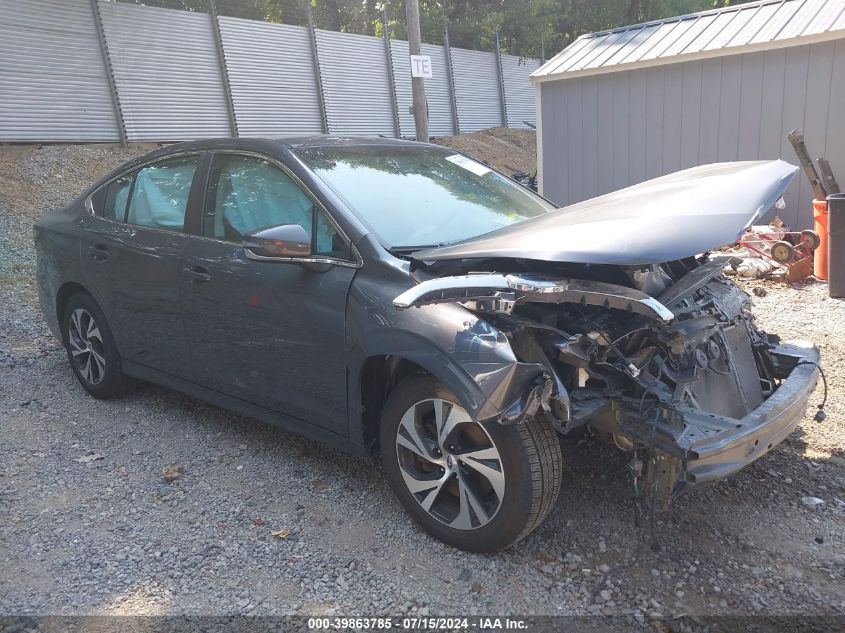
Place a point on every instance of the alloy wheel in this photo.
(86, 346)
(450, 464)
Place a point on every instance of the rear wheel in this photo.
(477, 487)
(90, 347)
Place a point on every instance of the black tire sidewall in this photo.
(113, 379)
(510, 521)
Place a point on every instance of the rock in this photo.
(812, 502)
(171, 473)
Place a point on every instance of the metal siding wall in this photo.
(271, 72)
(166, 71)
(436, 90)
(589, 136)
(53, 83)
(738, 107)
(477, 89)
(519, 94)
(356, 85)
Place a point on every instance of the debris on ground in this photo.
(280, 534)
(811, 502)
(87, 459)
(171, 473)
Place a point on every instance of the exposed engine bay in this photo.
(664, 360)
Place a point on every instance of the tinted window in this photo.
(110, 200)
(160, 194)
(422, 195)
(247, 193)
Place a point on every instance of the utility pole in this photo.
(412, 13)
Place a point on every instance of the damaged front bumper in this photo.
(694, 447)
(733, 444)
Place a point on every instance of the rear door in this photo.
(130, 253)
(267, 332)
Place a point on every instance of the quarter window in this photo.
(109, 201)
(247, 193)
(159, 195)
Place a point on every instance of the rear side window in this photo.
(109, 201)
(159, 196)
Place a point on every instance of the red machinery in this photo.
(791, 249)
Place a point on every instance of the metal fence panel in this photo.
(519, 93)
(53, 83)
(271, 73)
(166, 71)
(436, 90)
(477, 89)
(356, 84)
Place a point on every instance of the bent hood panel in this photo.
(671, 217)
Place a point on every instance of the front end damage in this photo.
(664, 360)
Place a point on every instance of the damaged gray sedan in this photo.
(399, 298)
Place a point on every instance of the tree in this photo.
(526, 27)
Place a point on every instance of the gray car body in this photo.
(314, 345)
(322, 345)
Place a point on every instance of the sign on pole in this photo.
(421, 66)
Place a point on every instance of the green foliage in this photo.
(532, 28)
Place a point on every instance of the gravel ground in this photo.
(89, 524)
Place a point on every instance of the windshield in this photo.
(419, 195)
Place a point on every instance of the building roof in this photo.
(743, 28)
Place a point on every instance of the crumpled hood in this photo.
(668, 218)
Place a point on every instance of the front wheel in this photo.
(477, 487)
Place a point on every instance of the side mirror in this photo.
(287, 240)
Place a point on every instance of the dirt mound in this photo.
(507, 150)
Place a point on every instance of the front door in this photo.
(130, 253)
(267, 332)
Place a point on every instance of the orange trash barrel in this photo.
(820, 222)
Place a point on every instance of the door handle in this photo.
(98, 252)
(198, 274)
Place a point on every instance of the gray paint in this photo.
(668, 218)
(604, 132)
(342, 315)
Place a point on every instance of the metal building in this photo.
(622, 106)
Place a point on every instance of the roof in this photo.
(743, 28)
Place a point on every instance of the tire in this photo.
(810, 240)
(782, 252)
(522, 467)
(91, 350)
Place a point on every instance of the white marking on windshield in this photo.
(470, 165)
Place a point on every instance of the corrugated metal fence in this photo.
(99, 70)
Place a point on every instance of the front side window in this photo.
(160, 192)
(417, 195)
(247, 193)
